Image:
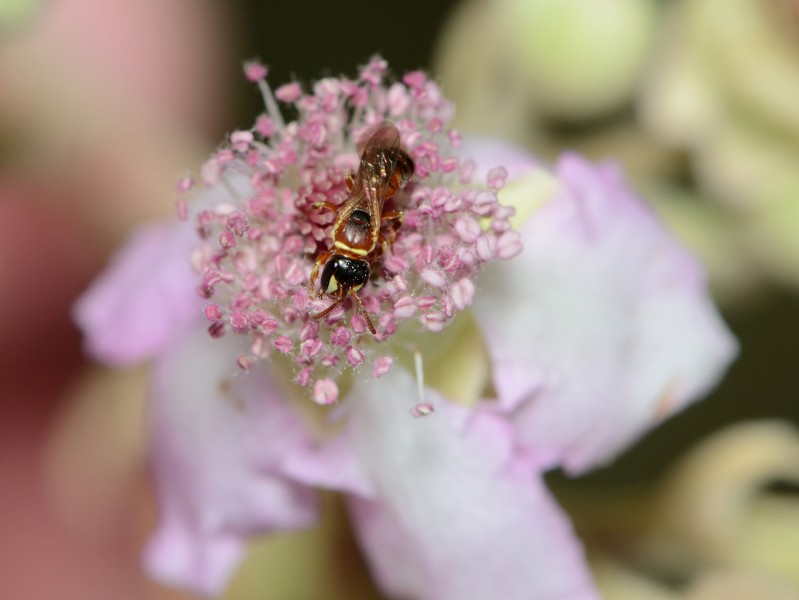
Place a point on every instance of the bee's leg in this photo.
(349, 180)
(325, 205)
(385, 242)
(392, 215)
(364, 313)
(391, 220)
(381, 246)
(320, 260)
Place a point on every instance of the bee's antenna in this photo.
(365, 314)
(329, 309)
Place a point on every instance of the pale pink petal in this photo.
(146, 296)
(333, 466)
(455, 515)
(488, 153)
(601, 327)
(220, 440)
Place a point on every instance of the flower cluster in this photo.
(260, 242)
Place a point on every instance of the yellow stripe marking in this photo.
(358, 251)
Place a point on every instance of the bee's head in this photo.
(343, 274)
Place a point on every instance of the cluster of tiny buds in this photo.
(261, 230)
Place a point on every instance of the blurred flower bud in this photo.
(15, 12)
(580, 59)
(507, 63)
(724, 88)
(715, 527)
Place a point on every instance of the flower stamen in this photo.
(261, 229)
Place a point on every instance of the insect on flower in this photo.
(362, 231)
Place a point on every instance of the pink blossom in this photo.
(598, 325)
(256, 247)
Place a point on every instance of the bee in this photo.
(362, 230)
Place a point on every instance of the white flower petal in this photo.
(220, 439)
(601, 327)
(455, 514)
